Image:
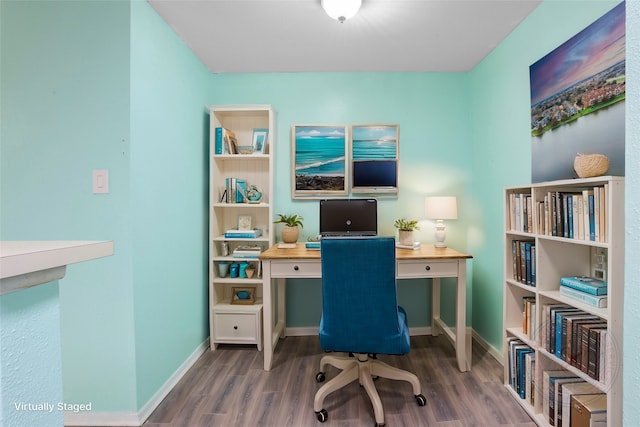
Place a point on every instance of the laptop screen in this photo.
(349, 217)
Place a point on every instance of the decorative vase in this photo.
(290, 234)
(406, 237)
(256, 197)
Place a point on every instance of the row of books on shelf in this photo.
(575, 215)
(235, 191)
(523, 256)
(227, 143)
(566, 399)
(576, 337)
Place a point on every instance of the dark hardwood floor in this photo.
(228, 387)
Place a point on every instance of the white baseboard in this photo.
(131, 418)
(494, 352)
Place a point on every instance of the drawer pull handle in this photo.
(235, 327)
(428, 267)
(296, 268)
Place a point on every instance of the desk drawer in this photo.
(237, 327)
(426, 268)
(292, 269)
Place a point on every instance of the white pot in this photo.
(406, 237)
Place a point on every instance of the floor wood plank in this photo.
(227, 387)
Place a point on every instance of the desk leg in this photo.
(435, 307)
(267, 314)
(282, 312)
(463, 345)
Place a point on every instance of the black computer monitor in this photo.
(348, 217)
(375, 174)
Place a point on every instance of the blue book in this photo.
(599, 301)
(521, 368)
(527, 251)
(586, 284)
(241, 193)
(312, 245)
(218, 147)
(243, 234)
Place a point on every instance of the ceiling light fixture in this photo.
(341, 10)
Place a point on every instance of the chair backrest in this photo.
(359, 302)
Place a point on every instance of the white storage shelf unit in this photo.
(238, 323)
(555, 257)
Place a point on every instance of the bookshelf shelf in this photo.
(238, 323)
(544, 243)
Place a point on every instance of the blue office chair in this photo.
(361, 317)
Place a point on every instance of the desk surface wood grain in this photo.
(426, 251)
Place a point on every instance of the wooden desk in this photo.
(426, 263)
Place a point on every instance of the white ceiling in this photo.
(263, 36)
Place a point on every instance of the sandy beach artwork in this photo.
(320, 164)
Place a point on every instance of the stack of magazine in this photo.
(247, 251)
(242, 234)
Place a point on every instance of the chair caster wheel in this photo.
(322, 415)
(421, 400)
(320, 377)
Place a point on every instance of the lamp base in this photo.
(440, 235)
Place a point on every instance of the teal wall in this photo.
(107, 85)
(30, 360)
(169, 199)
(431, 110)
(65, 105)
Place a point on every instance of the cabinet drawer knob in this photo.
(296, 268)
(235, 327)
(428, 267)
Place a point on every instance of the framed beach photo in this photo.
(319, 157)
(259, 140)
(374, 157)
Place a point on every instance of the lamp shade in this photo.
(341, 10)
(445, 207)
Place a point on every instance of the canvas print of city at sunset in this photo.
(577, 100)
(319, 156)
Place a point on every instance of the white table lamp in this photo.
(441, 208)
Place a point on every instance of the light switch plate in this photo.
(100, 181)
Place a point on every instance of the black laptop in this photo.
(348, 217)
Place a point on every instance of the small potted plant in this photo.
(290, 232)
(406, 227)
(253, 194)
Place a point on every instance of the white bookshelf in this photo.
(238, 323)
(556, 256)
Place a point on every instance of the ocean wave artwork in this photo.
(320, 156)
(320, 150)
(374, 142)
